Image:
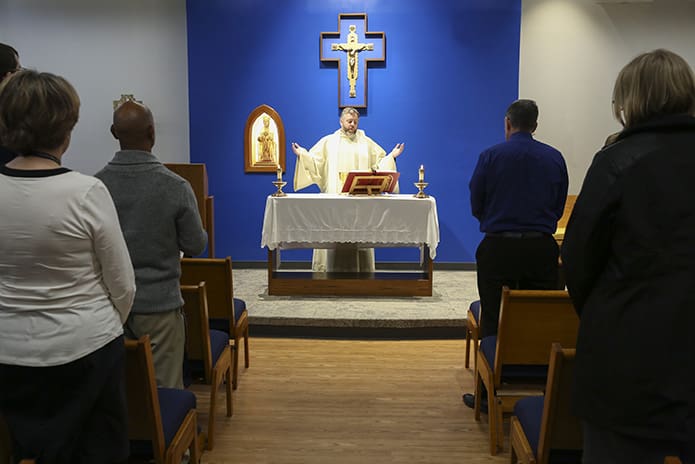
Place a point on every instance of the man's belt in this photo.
(528, 234)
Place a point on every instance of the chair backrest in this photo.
(217, 275)
(530, 322)
(560, 429)
(569, 206)
(197, 176)
(144, 416)
(195, 305)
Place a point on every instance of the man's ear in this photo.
(113, 132)
(150, 133)
(535, 126)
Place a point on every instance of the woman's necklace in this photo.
(48, 156)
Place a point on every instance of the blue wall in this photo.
(451, 70)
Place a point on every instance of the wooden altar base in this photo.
(380, 283)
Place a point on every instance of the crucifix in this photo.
(355, 48)
(124, 98)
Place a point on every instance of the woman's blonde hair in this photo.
(37, 111)
(656, 83)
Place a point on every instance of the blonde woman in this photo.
(629, 258)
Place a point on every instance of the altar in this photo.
(321, 220)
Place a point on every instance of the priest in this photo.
(326, 164)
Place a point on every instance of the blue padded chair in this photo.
(227, 313)
(513, 364)
(472, 331)
(543, 428)
(162, 422)
(208, 351)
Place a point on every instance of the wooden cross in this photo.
(351, 52)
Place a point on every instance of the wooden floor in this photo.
(343, 401)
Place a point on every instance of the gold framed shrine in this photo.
(264, 141)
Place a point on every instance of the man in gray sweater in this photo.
(159, 218)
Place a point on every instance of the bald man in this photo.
(159, 218)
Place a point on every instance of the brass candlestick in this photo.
(279, 184)
(421, 186)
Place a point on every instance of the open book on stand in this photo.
(370, 182)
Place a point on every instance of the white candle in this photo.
(421, 173)
(279, 173)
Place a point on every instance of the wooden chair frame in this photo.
(217, 274)
(144, 416)
(472, 335)
(198, 348)
(530, 322)
(560, 429)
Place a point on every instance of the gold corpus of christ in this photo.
(352, 47)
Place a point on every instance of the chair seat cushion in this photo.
(529, 411)
(195, 368)
(218, 341)
(239, 308)
(174, 405)
(534, 373)
(222, 323)
(474, 308)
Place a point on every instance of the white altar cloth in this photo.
(320, 220)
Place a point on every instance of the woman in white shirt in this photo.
(66, 286)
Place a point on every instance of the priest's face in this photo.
(348, 123)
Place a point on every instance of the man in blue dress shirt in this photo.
(518, 193)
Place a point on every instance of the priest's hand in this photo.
(397, 150)
(297, 149)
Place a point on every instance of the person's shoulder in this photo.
(84, 184)
(79, 179)
(495, 149)
(101, 173)
(332, 135)
(171, 180)
(548, 149)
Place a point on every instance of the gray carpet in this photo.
(446, 308)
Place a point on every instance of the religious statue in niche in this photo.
(352, 47)
(264, 141)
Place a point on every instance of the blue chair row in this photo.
(208, 352)
(162, 422)
(543, 428)
(514, 363)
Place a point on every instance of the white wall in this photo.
(571, 53)
(107, 48)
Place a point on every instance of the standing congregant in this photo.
(159, 217)
(326, 164)
(66, 287)
(518, 193)
(629, 257)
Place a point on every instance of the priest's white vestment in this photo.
(322, 165)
